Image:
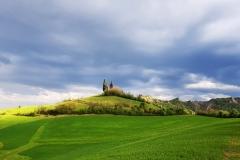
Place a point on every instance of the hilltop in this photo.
(115, 101)
(101, 104)
(130, 105)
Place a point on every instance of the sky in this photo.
(51, 50)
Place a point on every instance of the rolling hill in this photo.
(130, 105)
(101, 104)
(86, 128)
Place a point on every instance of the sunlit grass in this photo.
(119, 137)
(25, 109)
(112, 100)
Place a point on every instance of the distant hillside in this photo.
(217, 104)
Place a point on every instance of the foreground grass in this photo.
(120, 137)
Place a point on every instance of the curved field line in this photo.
(175, 130)
(150, 137)
(18, 150)
(33, 141)
(27, 146)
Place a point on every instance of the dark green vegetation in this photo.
(112, 103)
(115, 101)
(119, 137)
(219, 107)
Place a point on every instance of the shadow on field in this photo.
(17, 135)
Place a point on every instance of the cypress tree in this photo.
(111, 85)
(105, 87)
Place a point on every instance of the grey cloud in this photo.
(4, 60)
(54, 44)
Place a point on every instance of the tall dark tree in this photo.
(105, 86)
(111, 85)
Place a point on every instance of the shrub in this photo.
(170, 111)
(234, 113)
(42, 110)
(142, 105)
(115, 91)
(225, 114)
(66, 108)
(220, 113)
(162, 112)
(52, 112)
(201, 112)
(212, 112)
(180, 111)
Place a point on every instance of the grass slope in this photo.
(25, 109)
(112, 100)
(80, 103)
(119, 137)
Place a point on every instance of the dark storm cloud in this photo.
(160, 48)
(4, 60)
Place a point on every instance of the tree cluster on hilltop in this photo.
(105, 86)
(116, 91)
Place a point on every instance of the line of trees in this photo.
(234, 113)
(119, 108)
(133, 111)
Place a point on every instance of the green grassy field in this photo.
(119, 137)
(25, 109)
